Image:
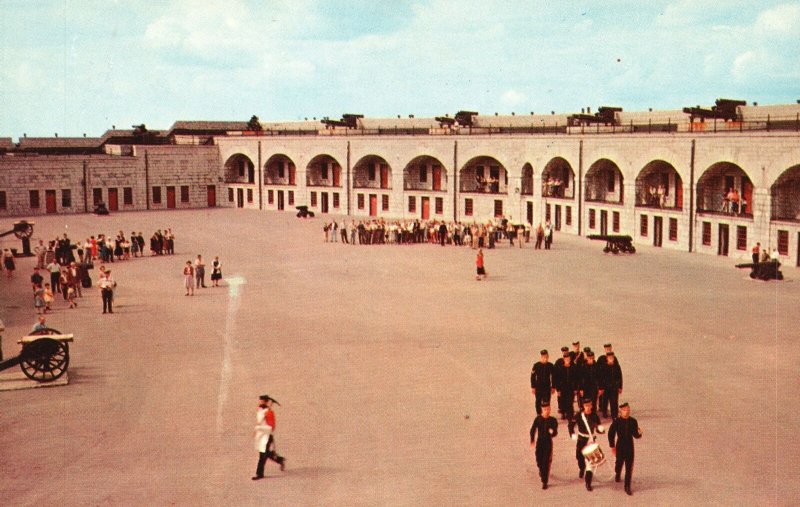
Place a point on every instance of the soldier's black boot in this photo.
(628, 491)
(580, 474)
(588, 481)
(617, 478)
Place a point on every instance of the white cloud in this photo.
(513, 98)
(783, 20)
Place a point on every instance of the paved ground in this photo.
(403, 380)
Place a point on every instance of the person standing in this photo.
(8, 262)
(216, 271)
(565, 380)
(264, 439)
(591, 380)
(481, 269)
(612, 384)
(106, 286)
(582, 429)
(200, 272)
(548, 235)
(620, 438)
(603, 362)
(756, 253)
(547, 428)
(542, 380)
(188, 278)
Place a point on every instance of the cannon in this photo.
(615, 243)
(44, 356)
(303, 212)
(767, 270)
(22, 230)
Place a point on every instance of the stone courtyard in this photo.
(402, 380)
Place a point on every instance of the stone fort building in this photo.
(711, 180)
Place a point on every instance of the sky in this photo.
(79, 67)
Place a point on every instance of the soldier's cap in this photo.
(576, 343)
(564, 349)
(624, 405)
(607, 345)
(587, 349)
(590, 354)
(266, 397)
(543, 352)
(545, 404)
(610, 353)
(586, 400)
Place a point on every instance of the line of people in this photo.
(577, 376)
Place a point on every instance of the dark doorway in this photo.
(603, 222)
(324, 202)
(211, 194)
(558, 217)
(530, 213)
(50, 201)
(171, 197)
(240, 197)
(113, 199)
(722, 248)
(280, 200)
(658, 231)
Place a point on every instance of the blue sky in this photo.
(78, 67)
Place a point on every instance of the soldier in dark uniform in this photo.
(612, 383)
(577, 355)
(542, 380)
(565, 380)
(547, 428)
(604, 398)
(620, 438)
(590, 380)
(556, 365)
(582, 429)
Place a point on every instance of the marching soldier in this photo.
(576, 354)
(565, 379)
(620, 438)
(612, 384)
(604, 398)
(556, 365)
(542, 380)
(264, 440)
(590, 380)
(582, 430)
(547, 427)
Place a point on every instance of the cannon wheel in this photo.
(44, 360)
(23, 231)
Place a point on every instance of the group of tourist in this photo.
(194, 274)
(406, 232)
(577, 376)
(733, 203)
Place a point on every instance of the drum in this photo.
(593, 454)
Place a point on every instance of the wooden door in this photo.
(240, 197)
(603, 222)
(373, 205)
(113, 199)
(50, 201)
(170, 197)
(426, 208)
(280, 200)
(722, 244)
(437, 177)
(558, 217)
(211, 194)
(384, 176)
(337, 175)
(530, 212)
(658, 231)
(324, 202)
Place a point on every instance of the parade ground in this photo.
(402, 380)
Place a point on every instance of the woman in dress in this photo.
(481, 270)
(188, 278)
(216, 272)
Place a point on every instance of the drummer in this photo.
(582, 429)
(547, 427)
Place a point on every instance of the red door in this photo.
(291, 174)
(337, 175)
(384, 176)
(50, 201)
(171, 197)
(426, 208)
(113, 199)
(211, 192)
(437, 177)
(373, 205)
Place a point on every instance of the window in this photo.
(241, 168)
(494, 172)
(741, 237)
(385, 202)
(611, 181)
(34, 198)
(249, 195)
(673, 229)
(707, 233)
(423, 173)
(127, 196)
(313, 199)
(615, 221)
(184, 193)
(97, 196)
(271, 197)
(783, 242)
(591, 219)
(324, 171)
(156, 195)
(371, 172)
(568, 216)
(230, 195)
(3, 203)
(643, 225)
(439, 205)
(498, 208)
(336, 199)
(412, 204)
(66, 198)
(291, 197)
(468, 207)
(280, 171)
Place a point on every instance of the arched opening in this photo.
(558, 179)
(279, 170)
(659, 185)
(786, 195)
(526, 182)
(324, 171)
(725, 188)
(372, 171)
(484, 175)
(239, 169)
(425, 173)
(604, 182)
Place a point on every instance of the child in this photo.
(38, 300)
(71, 297)
(48, 297)
(481, 270)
